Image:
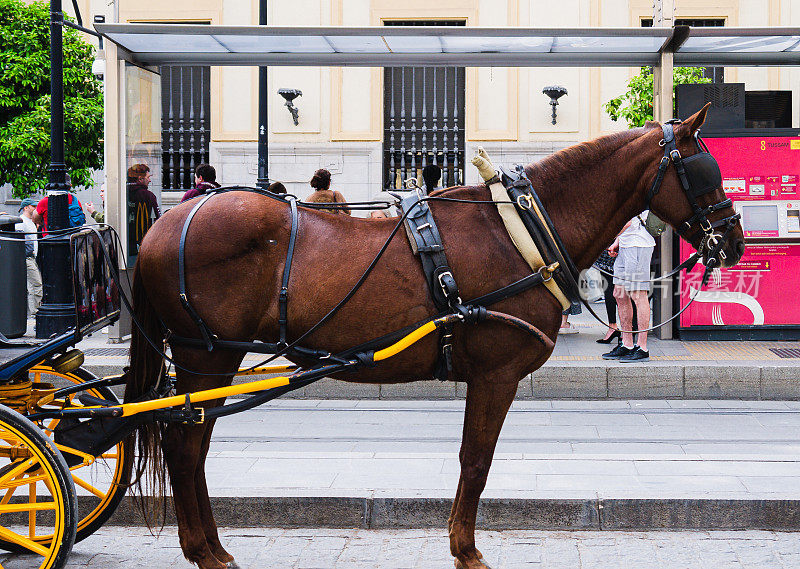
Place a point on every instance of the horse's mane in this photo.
(577, 158)
(581, 157)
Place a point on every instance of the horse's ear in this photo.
(690, 125)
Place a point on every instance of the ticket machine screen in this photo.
(758, 218)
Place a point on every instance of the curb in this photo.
(670, 380)
(493, 513)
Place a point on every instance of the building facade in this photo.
(373, 128)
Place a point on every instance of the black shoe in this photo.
(636, 355)
(615, 334)
(618, 352)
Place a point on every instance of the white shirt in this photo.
(29, 227)
(636, 235)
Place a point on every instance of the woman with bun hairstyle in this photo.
(321, 182)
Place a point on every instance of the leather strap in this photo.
(205, 331)
(283, 295)
(427, 243)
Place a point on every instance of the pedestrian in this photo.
(321, 182)
(34, 278)
(98, 215)
(605, 263)
(631, 284)
(277, 188)
(431, 174)
(566, 327)
(143, 200)
(75, 215)
(205, 178)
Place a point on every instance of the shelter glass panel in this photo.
(143, 166)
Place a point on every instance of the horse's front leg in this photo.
(488, 400)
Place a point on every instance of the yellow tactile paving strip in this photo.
(712, 351)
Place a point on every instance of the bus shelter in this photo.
(134, 52)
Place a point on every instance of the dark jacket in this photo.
(201, 188)
(138, 193)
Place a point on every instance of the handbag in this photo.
(653, 224)
(605, 262)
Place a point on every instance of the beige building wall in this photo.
(341, 109)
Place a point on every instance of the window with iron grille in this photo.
(423, 119)
(716, 74)
(185, 124)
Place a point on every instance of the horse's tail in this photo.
(143, 375)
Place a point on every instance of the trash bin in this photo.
(13, 280)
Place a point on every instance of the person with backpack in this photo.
(75, 215)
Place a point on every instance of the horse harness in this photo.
(699, 174)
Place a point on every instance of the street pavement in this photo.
(260, 548)
(558, 465)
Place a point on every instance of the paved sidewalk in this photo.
(677, 370)
(560, 464)
(261, 548)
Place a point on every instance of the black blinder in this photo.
(703, 173)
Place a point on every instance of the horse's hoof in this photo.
(232, 565)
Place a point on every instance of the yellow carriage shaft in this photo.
(129, 409)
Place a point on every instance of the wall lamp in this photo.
(554, 92)
(290, 95)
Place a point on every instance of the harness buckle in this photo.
(446, 289)
(707, 228)
(673, 154)
(527, 199)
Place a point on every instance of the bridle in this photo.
(699, 175)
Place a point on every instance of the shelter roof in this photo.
(388, 46)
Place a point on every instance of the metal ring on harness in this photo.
(527, 198)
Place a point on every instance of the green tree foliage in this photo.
(25, 100)
(635, 106)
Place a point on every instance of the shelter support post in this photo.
(263, 125)
(663, 15)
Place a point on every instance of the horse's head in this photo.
(690, 197)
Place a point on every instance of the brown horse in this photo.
(235, 254)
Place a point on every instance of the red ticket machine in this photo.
(760, 297)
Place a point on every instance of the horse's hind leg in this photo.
(487, 404)
(185, 448)
(204, 503)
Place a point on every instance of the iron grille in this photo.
(423, 119)
(185, 126)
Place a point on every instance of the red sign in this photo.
(762, 288)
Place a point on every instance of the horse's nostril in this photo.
(740, 248)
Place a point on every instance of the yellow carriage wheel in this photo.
(101, 484)
(37, 497)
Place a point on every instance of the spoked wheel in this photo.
(101, 482)
(37, 497)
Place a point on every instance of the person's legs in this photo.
(34, 278)
(625, 314)
(611, 310)
(642, 304)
